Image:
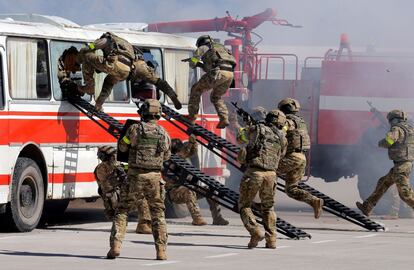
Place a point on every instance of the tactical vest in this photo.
(148, 152)
(218, 57)
(298, 139)
(119, 46)
(404, 151)
(265, 149)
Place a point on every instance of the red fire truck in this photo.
(335, 95)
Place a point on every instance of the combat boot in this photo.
(271, 244)
(364, 208)
(199, 221)
(115, 250)
(255, 238)
(223, 123)
(144, 228)
(161, 252)
(317, 207)
(220, 221)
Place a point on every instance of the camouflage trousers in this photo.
(256, 180)
(142, 184)
(181, 195)
(219, 82)
(397, 208)
(292, 169)
(144, 214)
(91, 62)
(398, 175)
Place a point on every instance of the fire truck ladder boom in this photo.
(228, 152)
(216, 191)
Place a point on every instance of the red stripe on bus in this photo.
(61, 178)
(4, 179)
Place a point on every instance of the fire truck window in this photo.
(179, 74)
(28, 68)
(1, 85)
(56, 50)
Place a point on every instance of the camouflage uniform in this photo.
(261, 157)
(292, 166)
(116, 62)
(218, 76)
(180, 194)
(109, 186)
(149, 146)
(142, 71)
(400, 144)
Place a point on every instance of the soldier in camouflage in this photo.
(149, 146)
(180, 194)
(266, 145)
(400, 144)
(292, 166)
(119, 61)
(108, 175)
(66, 66)
(218, 65)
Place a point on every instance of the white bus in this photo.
(47, 147)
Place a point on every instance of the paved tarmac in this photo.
(79, 240)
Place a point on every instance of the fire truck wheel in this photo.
(27, 195)
(173, 210)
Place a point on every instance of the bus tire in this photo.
(27, 195)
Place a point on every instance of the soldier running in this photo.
(292, 166)
(149, 146)
(218, 64)
(400, 144)
(266, 145)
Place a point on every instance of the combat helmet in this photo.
(106, 152)
(276, 117)
(396, 114)
(259, 113)
(289, 105)
(203, 40)
(151, 108)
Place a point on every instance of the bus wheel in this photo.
(27, 195)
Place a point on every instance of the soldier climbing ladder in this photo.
(184, 171)
(228, 152)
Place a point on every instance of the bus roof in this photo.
(52, 27)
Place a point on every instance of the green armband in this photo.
(126, 140)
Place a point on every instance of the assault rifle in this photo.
(377, 114)
(247, 118)
(186, 59)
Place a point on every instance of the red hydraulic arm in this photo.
(239, 30)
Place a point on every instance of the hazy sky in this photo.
(379, 22)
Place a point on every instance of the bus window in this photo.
(1, 84)
(154, 60)
(179, 74)
(28, 68)
(56, 50)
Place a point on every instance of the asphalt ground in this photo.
(79, 240)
